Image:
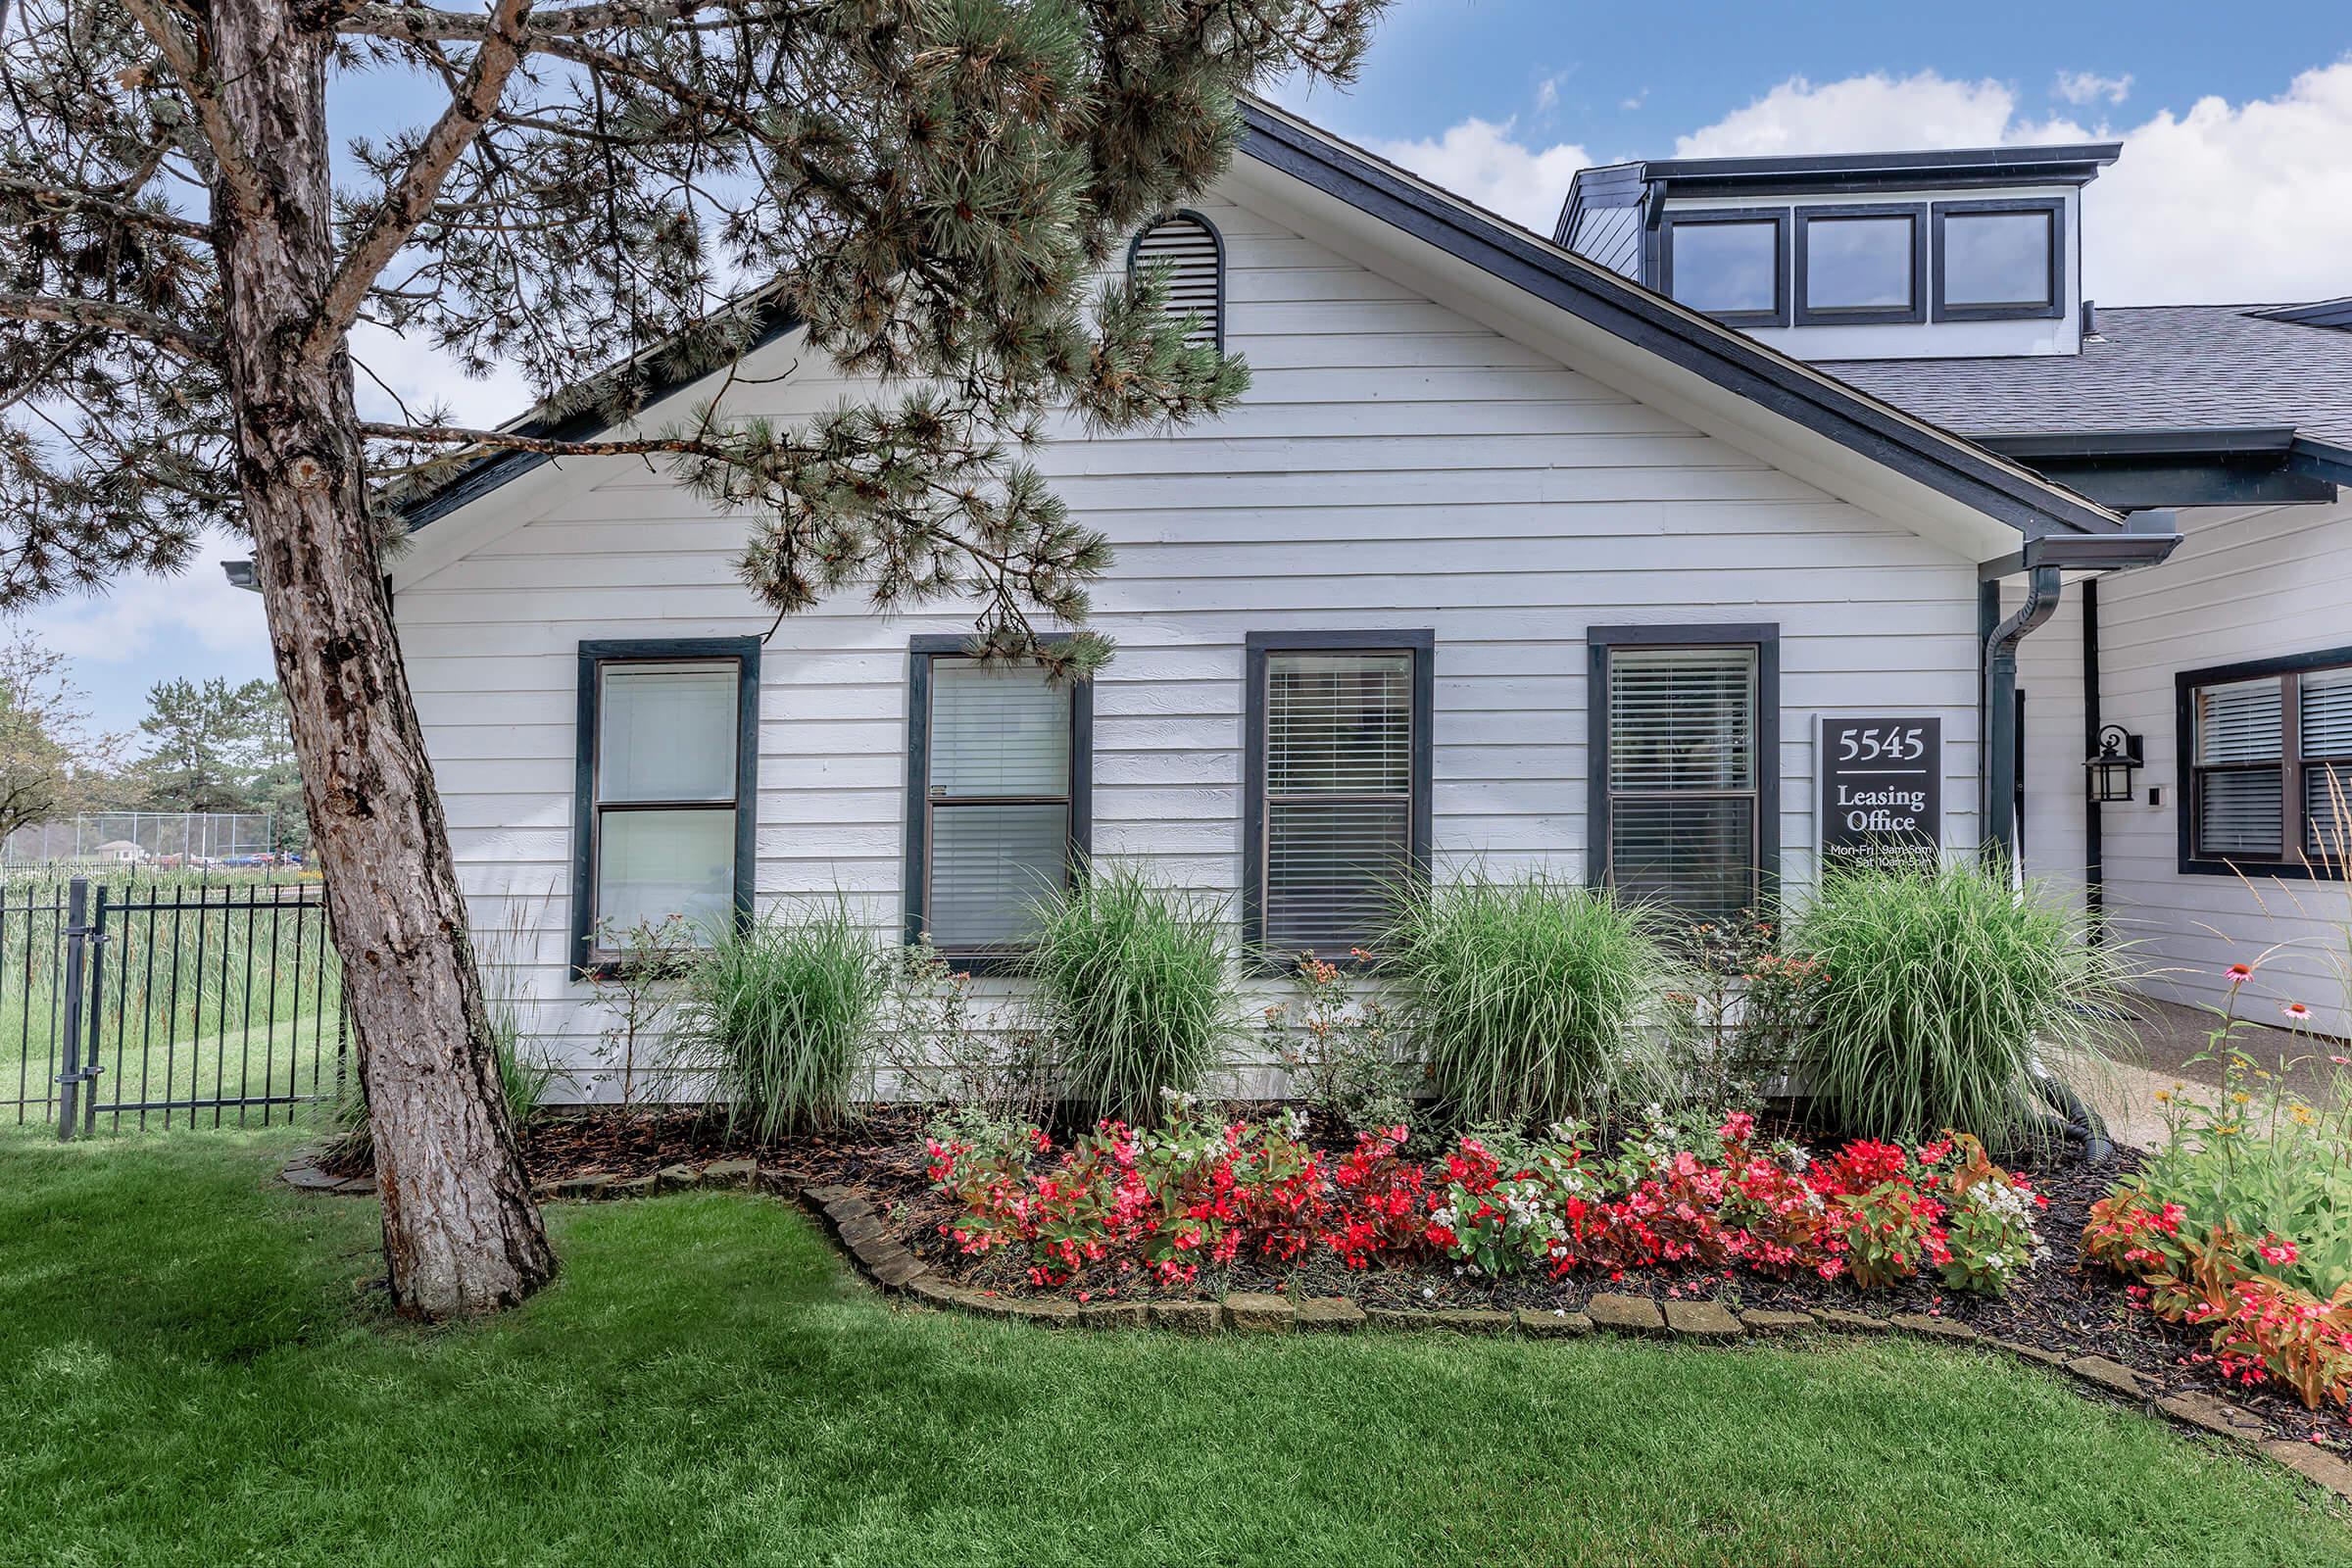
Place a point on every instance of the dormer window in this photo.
(1731, 264)
(1861, 265)
(2000, 261)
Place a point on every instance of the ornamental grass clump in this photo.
(780, 1016)
(1135, 990)
(1933, 1000)
(1528, 998)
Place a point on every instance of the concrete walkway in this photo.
(2168, 1036)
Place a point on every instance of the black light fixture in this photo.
(2110, 767)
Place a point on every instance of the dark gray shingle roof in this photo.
(2149, 368)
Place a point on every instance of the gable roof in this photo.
(1974, 477)
(1727, 358)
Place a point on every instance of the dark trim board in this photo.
(914, 861)
(1421, 817)
(1765, 638)
(1725, 357)
(2185, 770)
(593, 655)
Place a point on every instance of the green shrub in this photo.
(780, 1016)
(1931, 997)
(1530, 996)
(1136, 989)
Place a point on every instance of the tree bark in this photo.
(461, 1233)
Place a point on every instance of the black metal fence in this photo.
(163, 1003)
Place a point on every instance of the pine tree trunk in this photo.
(461, 1233)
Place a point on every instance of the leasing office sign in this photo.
(1882, 791)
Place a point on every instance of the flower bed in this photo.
(1121, 1205)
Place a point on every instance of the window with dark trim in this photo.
(1000, 770)
(1193, 253)
(1685, 774)
(1861, 266)
(1731, 263)
(2267, 766)
(1336, 786)
(666, 800)
(2000, 261)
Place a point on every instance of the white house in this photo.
(1948, 284)
(1504, 557)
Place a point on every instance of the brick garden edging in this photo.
(857, 1229)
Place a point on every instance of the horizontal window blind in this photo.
(2241, 722)
(997, 730)
(1682, 718)
(1682, 777)
(1188, 250)
(2239, 810)
(990, 866)
(2328, 810)
(1339, 768)
(2327, 714)
(996, 802)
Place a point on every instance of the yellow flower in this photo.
(2164, 1096)
(2302, 1115)
(2241, 1098)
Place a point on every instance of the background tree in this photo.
(203, 747)
(927, 185)
(47, 749)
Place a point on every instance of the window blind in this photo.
(2240, 769)
(2325, 730)
(996, 801)
(1339, 769)
(1188, 250)
(1682, 777)
(661, 807)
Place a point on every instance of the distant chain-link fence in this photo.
(164, 839)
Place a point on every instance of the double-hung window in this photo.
(1684, 787)
(999, 769)
(1337, 787)
(663, 818)
(2270, 766)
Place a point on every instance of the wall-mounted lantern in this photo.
(2111, 766)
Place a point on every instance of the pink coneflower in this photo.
(2296, 1012)
(2239, 973)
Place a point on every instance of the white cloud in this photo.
(1876, 113)
(1481, 161)
(160, 620)
(2089, 86)
(1547, 93)
(424, 376)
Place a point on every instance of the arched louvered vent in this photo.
(1186, 245)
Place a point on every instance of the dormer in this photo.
(1968, 254)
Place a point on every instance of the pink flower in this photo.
(2297, 1011)
(2274, 1250)
(2240, 974)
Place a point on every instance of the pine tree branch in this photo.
(420, 23)
(194, 347)
(180, 53)
(54, 199)
(459, 435)
(409, 198)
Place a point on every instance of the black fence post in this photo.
(91, 1059)
(68, 1082)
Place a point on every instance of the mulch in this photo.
(2058, 1307)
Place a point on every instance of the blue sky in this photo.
(1682, 65)
(2229, 130)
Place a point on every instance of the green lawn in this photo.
(190, 1376)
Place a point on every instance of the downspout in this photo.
(2094, 842)
(2075, 1118)
(2000, 708)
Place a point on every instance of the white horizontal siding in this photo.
(1393, 466)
